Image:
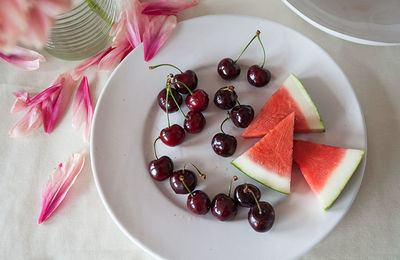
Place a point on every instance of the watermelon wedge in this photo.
(327, 169)
(269, 161)
(290, 97)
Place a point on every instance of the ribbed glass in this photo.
(84, 31)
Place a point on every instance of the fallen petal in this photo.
(59, 183)
(29, 122)
(83, 109)
(78, 71)
(168, 7)
(23, 58)
(115, 56)
(156, 34)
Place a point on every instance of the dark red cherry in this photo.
(264, 221)
(223, 207)
(242, 115)
(189, 178)
(228, 69)
(198, 101)
(189, 77)
(199, 203)
(160, 169)
(195, 122)
(161, 98)
(258, 76)
(224, 145)
(225, 97)
(173, 135)
(245, 198)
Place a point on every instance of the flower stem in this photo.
(165, 64)
(154, 147)
(262, 46)
(186, 86)
(245, 48)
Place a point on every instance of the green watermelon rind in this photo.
(312, 102)
(265, 184)
(344, 185)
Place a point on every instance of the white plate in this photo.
(368, 22)
(127, 120)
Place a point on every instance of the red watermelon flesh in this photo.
(326, 169)
(269, 161)
(290, 97)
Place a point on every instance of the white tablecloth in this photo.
(81, 227)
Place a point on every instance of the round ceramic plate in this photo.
(128, 119)
(368, 22)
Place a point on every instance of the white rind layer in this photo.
(260, 174)
(304, 102)
(339, 177)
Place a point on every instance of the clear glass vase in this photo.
(84, 31)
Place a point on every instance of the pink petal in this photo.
(39, 26)
(78, 71)
(83, 109)
(168, 7)
(23, 58)
(21, 102)
(136, 22)
(59, 183)
(31, 120)
(114, 57)
(156, 34)
(55, 105)
(13, 23)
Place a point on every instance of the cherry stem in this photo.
(170, 92)
(228, 116)
(245, 190)
(201, 175)
(154, 147)
(164, 64)
(186, 86)
(230, 186)
(262, 46)
(182, 179)
(252, 39)
(166, 106)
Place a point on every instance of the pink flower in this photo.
(28, 21)
(83, 109)
(168, 7)
(59, 183)
(50, 104)
(23, 58)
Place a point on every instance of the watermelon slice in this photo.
(269, 161)
(290, 97)
(327, 169)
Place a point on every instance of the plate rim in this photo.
(103, 198)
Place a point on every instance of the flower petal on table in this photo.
(135, 22)
(29, 122)
(78, 71)
(23, 58)
(83, 109)
(156, 34)
(168, 7)
(59, 183)
(115, 56)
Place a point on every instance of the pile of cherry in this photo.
(261, 215)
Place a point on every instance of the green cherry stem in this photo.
(262, 46)
(182, 179)
(255, 198)
(165, 64)
(230, 185)
(252, 39)
(154, 147)
(166, 105)
(186, 86)
(176, 103)
(201, 175)
(228, 116)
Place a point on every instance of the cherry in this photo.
(242, 115)
(225, 97)
(224, 144)
(188, 177)
(198, 202)
(189, 78)
(173, 135)
(197, 101)
(223, 207)
(228, 69)
(195, 122)
(160, 168)
(261, 217)
(162, 100)
(257, 75)
(243, 197)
